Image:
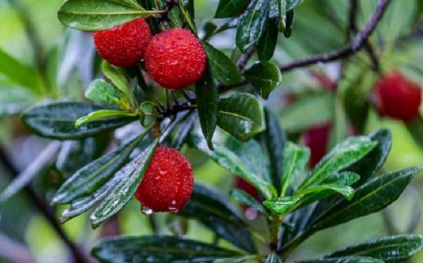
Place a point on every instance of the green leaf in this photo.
(223, 68)
(116, 76)
(83, 204)
(252, 24)
(294, 161)
(214, 210)
(241, 115)
(39, 164)
(245, 259)
(248, 200)
(230, 8)
(124, 191)
(207, 105)
(389, 249)
(76, 154)
(290, 20)
(157, 249)
(102, 92)
(282, 204)
(369, 198)
(243, 159)
(274, 139)
(266, 46)
(273, 258)
(264, 76)
(182, 131)
(57, 121)
(343, 155)
(91, 15)
(373, 161)
(92, 176)
(345, 260)
(307, 111)
(19, 73)
(102, 115)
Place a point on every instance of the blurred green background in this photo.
(319, 28)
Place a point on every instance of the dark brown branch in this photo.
(351, 48)
(39, 204)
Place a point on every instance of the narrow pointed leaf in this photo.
(118, 79)
(157, 249)
(102, 92)
(214, 210)
(241, 115)
(343, 155)
(223, 68)
(57, 121)
(295, 160)
(92, 176)
(230, 8)
(252, 24)
(207, 105)
(369, 198)
(274, 139)
(370, 165)
(345, 260)
(266, 46)
(124, 191)
(102, 115)
(389, 249)
(93, 15)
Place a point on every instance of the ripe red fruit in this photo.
(175, 59)
(397, 97)
(124, 45)
(317, 139)
(168, 182)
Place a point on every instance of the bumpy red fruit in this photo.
(175, 59)
(168, 182)
(123, 46)
(397, 97)
(317, 138)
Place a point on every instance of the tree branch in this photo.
(38, 203)
(351, 48)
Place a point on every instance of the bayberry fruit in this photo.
(175, 59)
(397, 97)
(168, 182)
(124, 45)
(316, 139)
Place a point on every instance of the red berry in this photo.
(317, 139)
(397, 97)
(168, 182)
(123, 46)
(175, 59)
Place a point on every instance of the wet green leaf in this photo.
(124, 191)
(102, 115)
(207, 105)
(214, 210)
(389, 249)
(102, 92)
(230, 8)
(264, 76)
(157, 249)
(91, 15)
(241, 115)
(282, 204)
(92, 176)
(294, 162)
(248, 200)
(57, 121)
(252, 24)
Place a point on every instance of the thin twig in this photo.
(39, 204)
(350, 49)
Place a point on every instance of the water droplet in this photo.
(146, 210)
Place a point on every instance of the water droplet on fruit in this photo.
(173, 209)
(146, 210)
